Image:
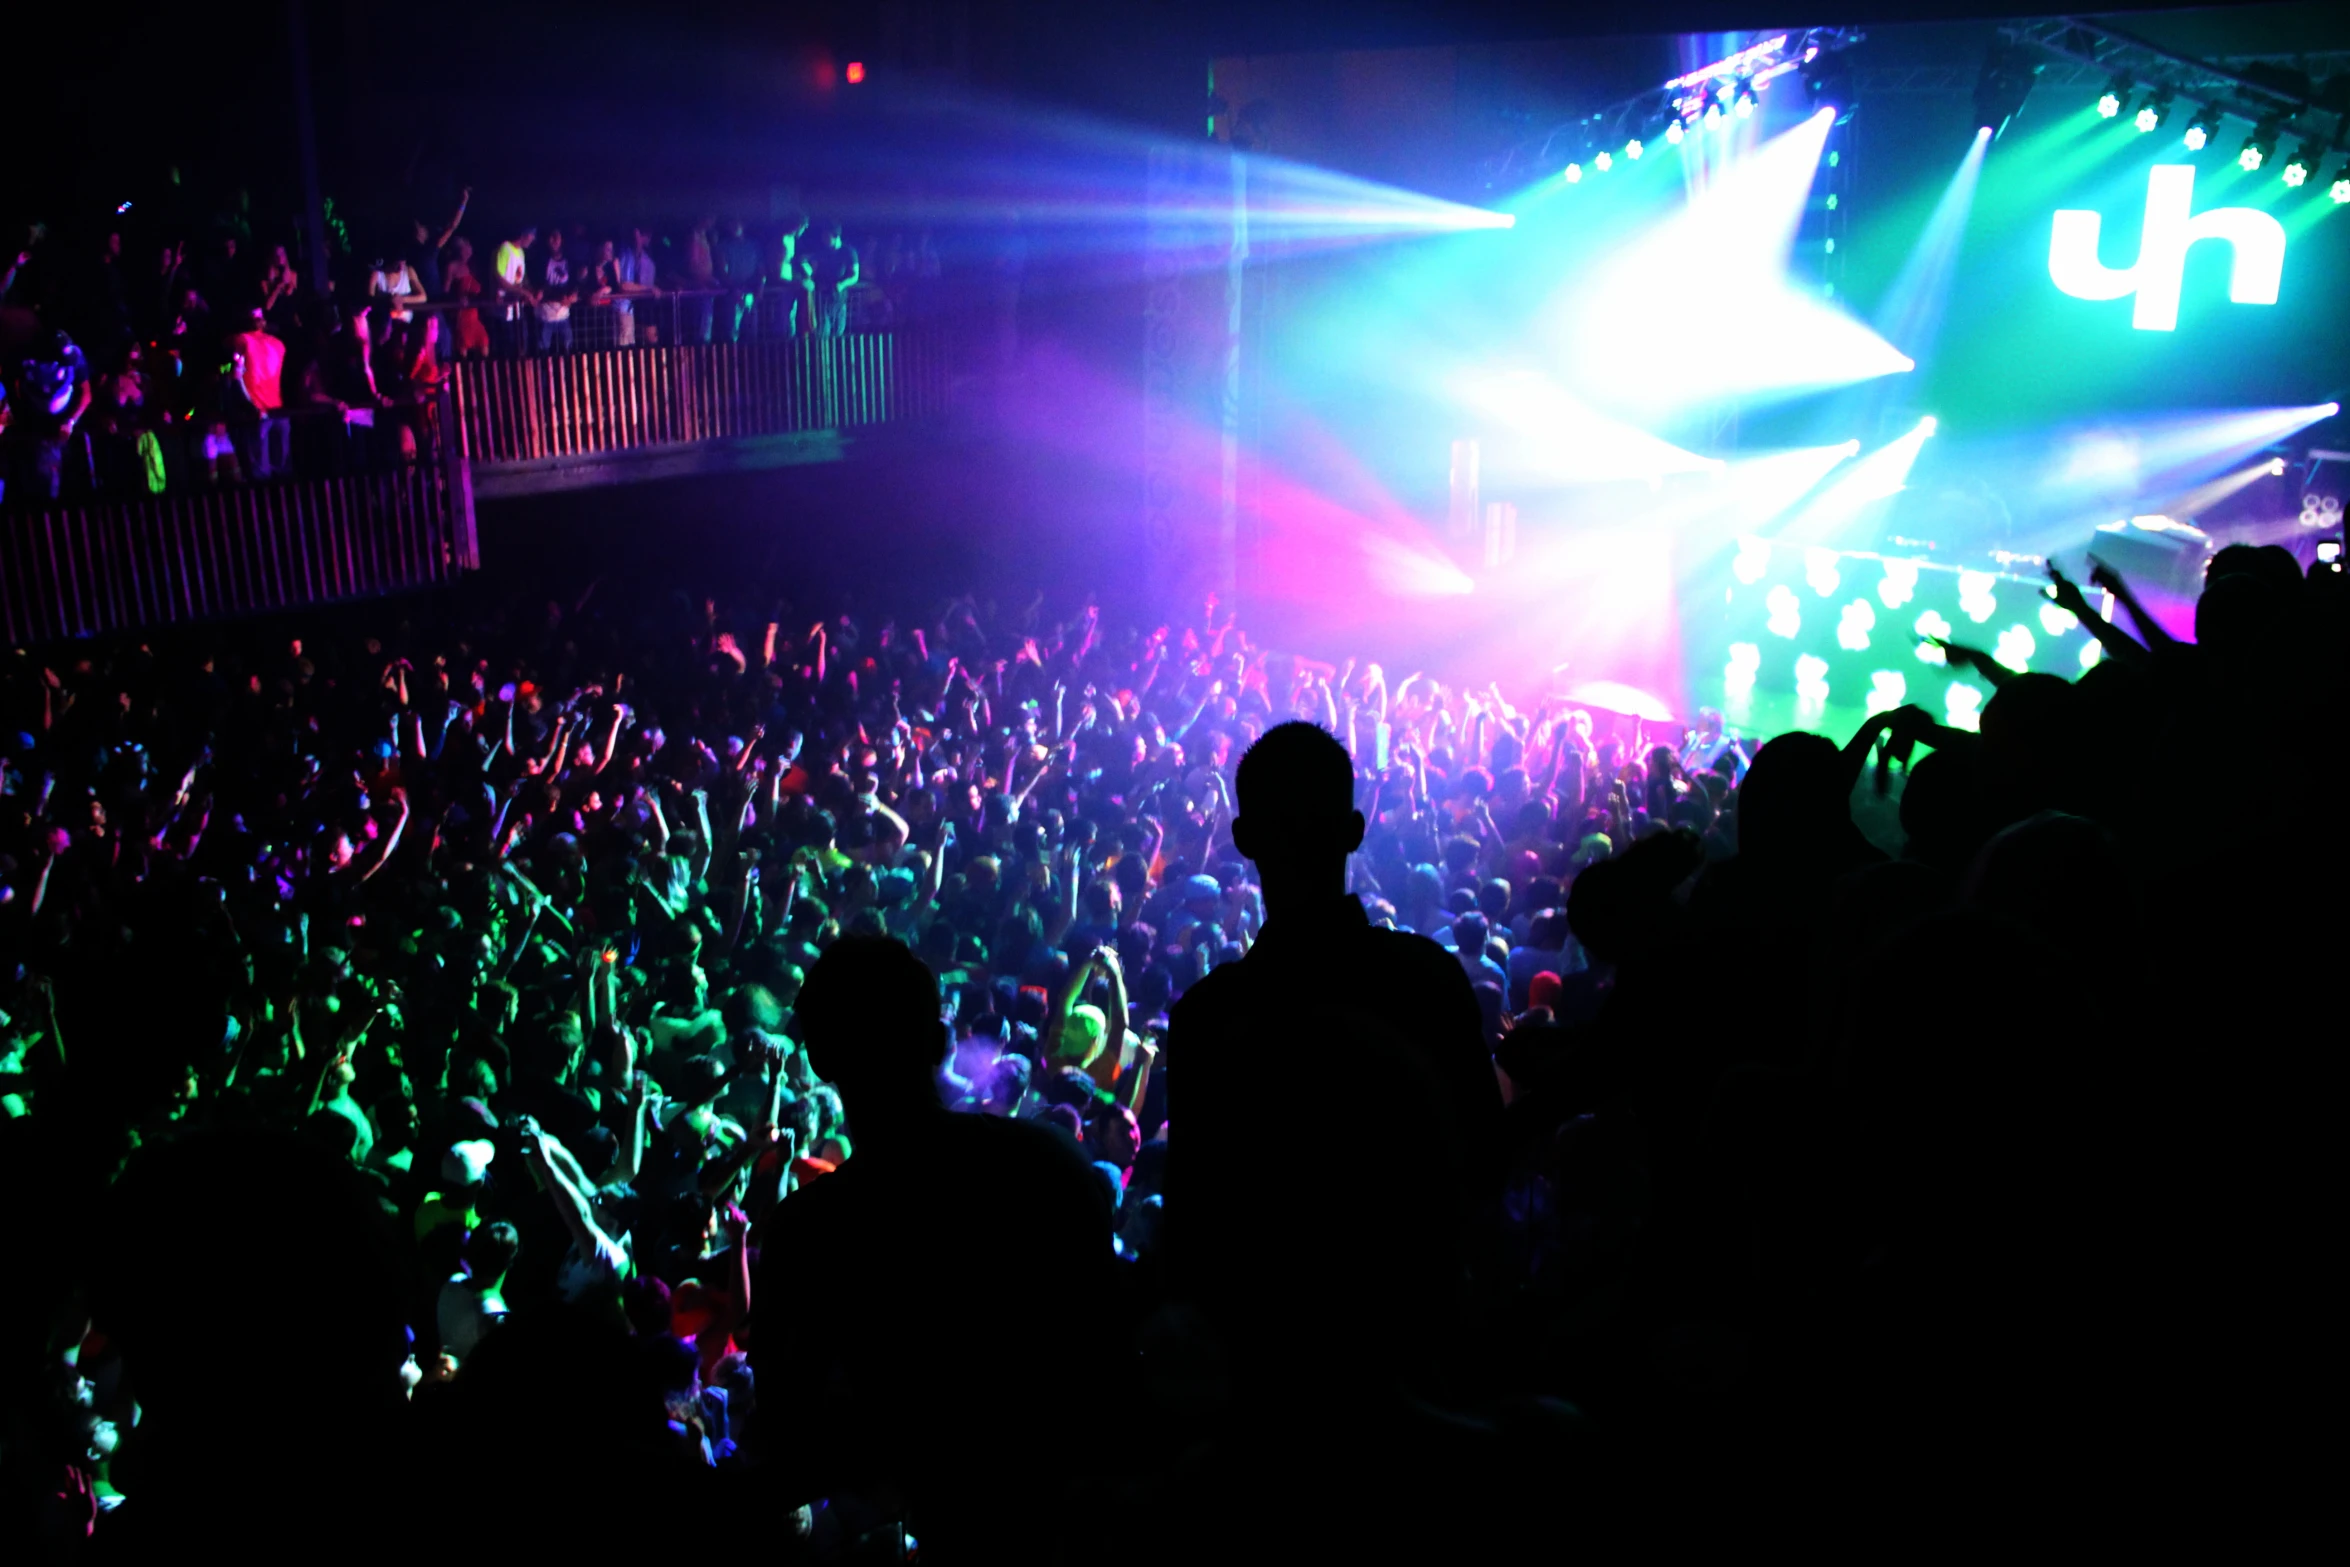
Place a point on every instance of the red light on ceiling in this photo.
(855, 72)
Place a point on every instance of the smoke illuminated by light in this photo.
(1699, 307)
(2114, 466)
(1882, 473)
(1556, 438)
(2205, 496)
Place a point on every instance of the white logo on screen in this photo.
(2171, 227)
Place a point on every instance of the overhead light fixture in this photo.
(2109, 106)
(1674, 133)
(2004, 82)
(1635, 147)
(1604, 162)
(1827, 84)
(2341, 186)
(2297, 168)
(2201, 127)
(1743, 105)
(1574, 174)
(2258, 146)
(1713, 114)
(2153, 111)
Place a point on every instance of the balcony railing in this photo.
(112, 557)
(642, 399)
(80, 570)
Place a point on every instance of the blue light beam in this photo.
(1911, 312)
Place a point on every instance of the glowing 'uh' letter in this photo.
(2257, 240)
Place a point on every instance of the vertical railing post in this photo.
(456, 491)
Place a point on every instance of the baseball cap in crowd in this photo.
(468, 1163)
(1598, 846)
(1201, 887)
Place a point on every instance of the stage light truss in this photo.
(1714, 95)
(2276, 96)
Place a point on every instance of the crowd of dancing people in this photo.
(222, 360)
(705, 1072)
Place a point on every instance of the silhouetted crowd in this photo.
(686, 1075)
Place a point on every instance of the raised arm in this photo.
(1974, 658)
(570, 1201)
(449, 229)
(390, 842)
(1146, 1057)
(1064, 1001)
(2068, 597)
(2103, 576)
(1114, 1037)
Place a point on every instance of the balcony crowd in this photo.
(133, 363)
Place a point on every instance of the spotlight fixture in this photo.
(1635, 147)
(2005, 81)
(2258, 146)
(1743, 105)
(2153, 111)
(1674, 133)
(2201, 127)
(2109, 106)
(2341, 186)
(2297, 169)
(1604, 162)
(1574, 174)
(1713, 114)
(1827, 84)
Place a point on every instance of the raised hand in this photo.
(2067, 593)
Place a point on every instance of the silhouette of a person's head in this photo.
(1297, 818)
(869, 1015)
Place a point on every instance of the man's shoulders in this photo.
(1409, 946)
(1218, 988)
(1009, 1139)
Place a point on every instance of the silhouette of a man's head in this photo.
(1297, 809)
(869, 1015)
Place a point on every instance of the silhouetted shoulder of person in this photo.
(1333, 964)
(891, 1292)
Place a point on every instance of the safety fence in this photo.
(81, 570)
(654, 395)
